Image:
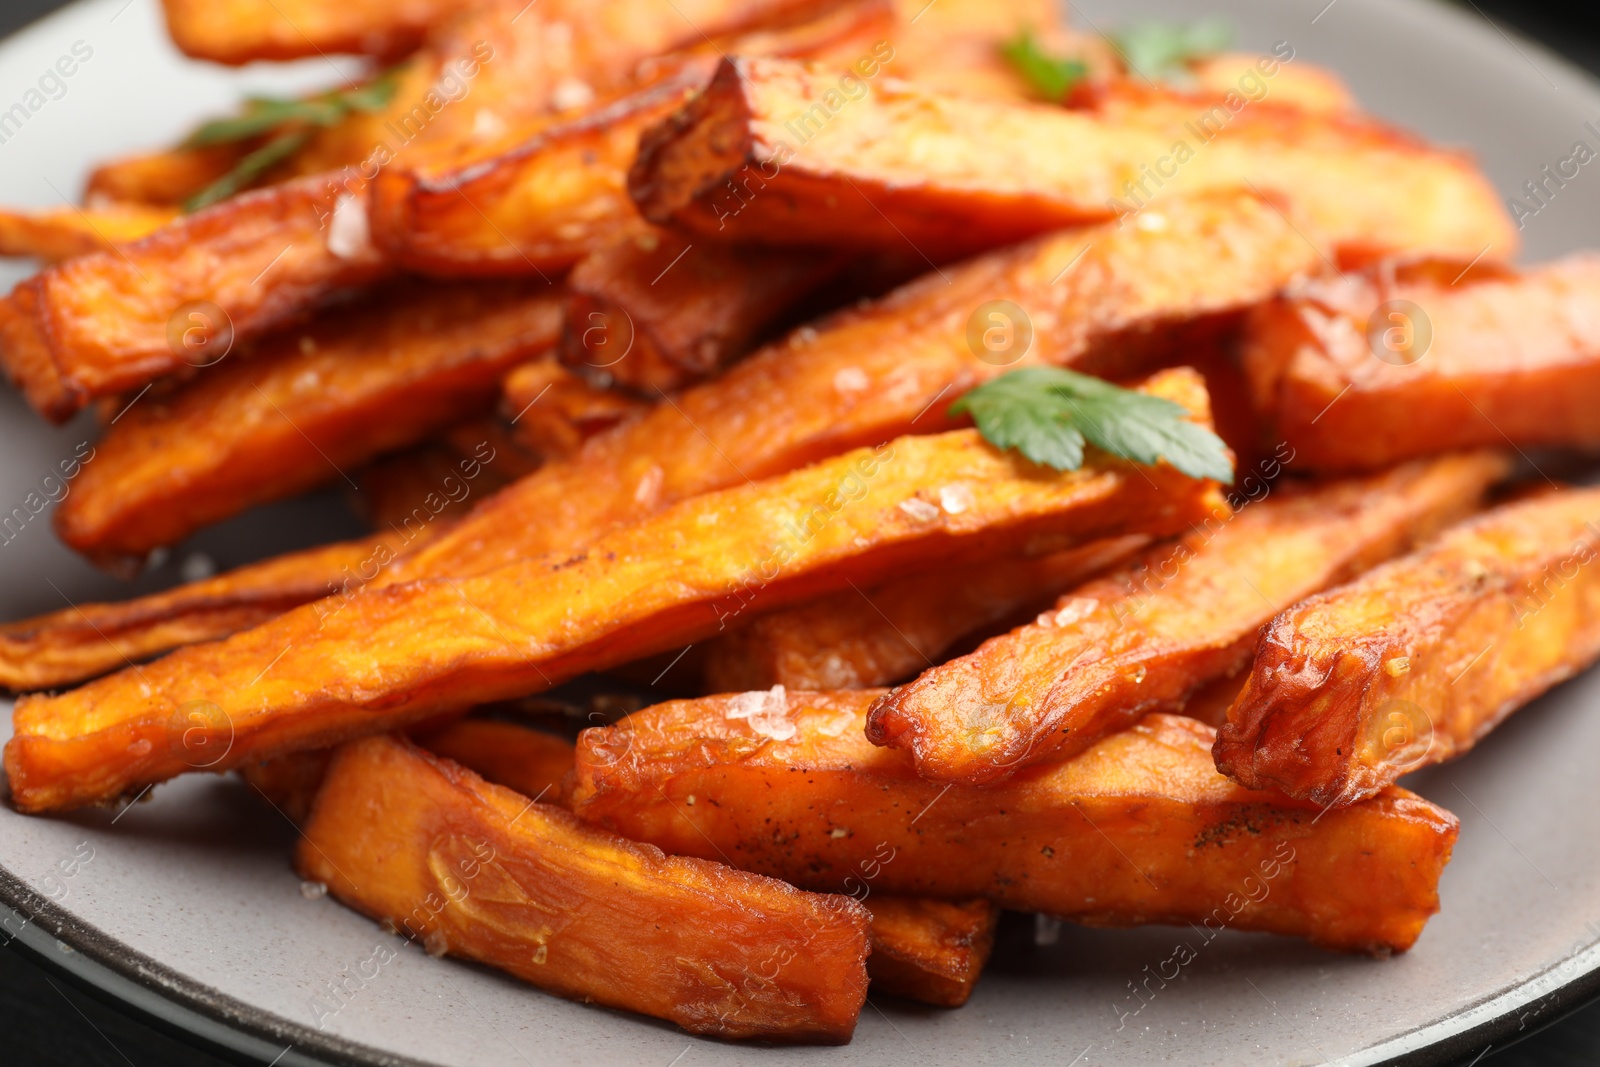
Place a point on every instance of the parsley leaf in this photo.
(1053, 76)
(1048, 414)
(290, 123)
(1161, 51)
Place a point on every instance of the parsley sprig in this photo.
(288, 125)
(1160, 51)
(1049, 414)
(1053, 76)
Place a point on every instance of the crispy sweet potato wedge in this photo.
(954, 46)
(409, 490)
(929, 950)
(1363, 370)
(1300, 85)
(164, 178)
(55, 234)
(77, 643)
(658, 311)
(388, 657)
(529, 761)
(475, 870)
(774, 152)
(882, 633)
(554, 411)
(242, 31)
(289, 782)
(1139, 829)
(1145, 636)
(1103, 300)
(1415, 661)
(112, 321)
(305, 407)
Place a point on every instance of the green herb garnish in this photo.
(1162, 51)
(1048, 414)
(1053, 76)
(290, 124)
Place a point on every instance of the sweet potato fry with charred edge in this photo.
(1139, 829)
(929, 950)
(773, 152)
(883, 633)
(112, 321)
(658, 312)
(1491, 357)
(388, 657)
(71, 645)
(303, 408)
(55, 234)
(477, 870)
(1114, 300)
(554, 188)
(1415, 661)
(1144, 637)
(553, 411)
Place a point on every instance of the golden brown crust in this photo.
(1364, 370)
(1415, 661)
(475, 870)
(1147, 635)
(1139, 829)
(773, 151)
(304, 408)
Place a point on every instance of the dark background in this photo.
(50, 1022)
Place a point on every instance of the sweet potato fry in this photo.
(408, 490)
(954, 46)
(1300, 85)
(929, 950)
(529, 761)
(242, 31)
(290, 782)
(1144, 637)
(164, 178)
(657, 311)
(475, 870)
(1415, 661)
(773, 152)
(883, 633)
(1364, 370)
(1103, 300)
(55, 234)
(553, 190)
(554, 411)
(306, 406)
(388, 657)
(112, 321)
(77, 643)
(1139, 829)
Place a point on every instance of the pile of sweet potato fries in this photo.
(864, 376)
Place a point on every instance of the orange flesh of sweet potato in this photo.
(1415, 661)
(1354, 382)
(657, 311)
(289, 782)
(383, 658)
(112, 321)
(529, 761)
(241, 31)
(410, 490)
(71, 645)
(1102, 300)
(1298, 85)
(54, 234)
(880, 634)
(553, 410)
(303, 408)
(164, 178)
(929, 950)
(476, 870)
(773, 152)
(1139, 829)
(1143, 637)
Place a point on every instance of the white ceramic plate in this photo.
(187, 910)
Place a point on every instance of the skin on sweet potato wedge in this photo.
(1139, 829)
(302, 408)
(928, 950)
(1416, 660)
(773, 152)
(1104, 301)
(1146, 635)
(476, 870)
(384, 658)
(657, 311)
(879, 634)
(54, 234)
(1363, 370)
(114, 320)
